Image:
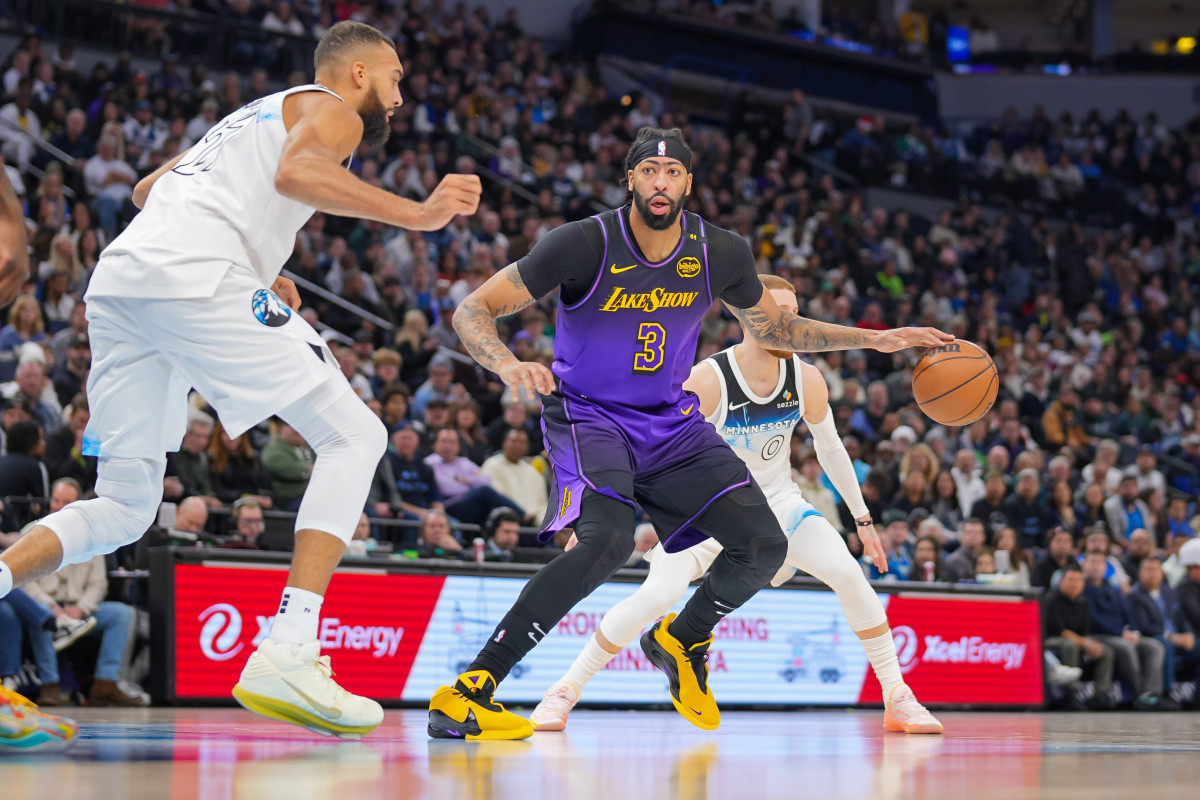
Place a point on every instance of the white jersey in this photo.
(759, 429)
(217, 210)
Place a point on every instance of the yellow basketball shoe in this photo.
(25, 729)
(687, 672)
(467, 711)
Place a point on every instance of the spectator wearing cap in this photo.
(439, 385)
(465, 489)
(960, 565)
(514, 477)
(437, 416)
(1155, 612)
(143, 132)
(1126, 511)
(1026, 511)
(70, 376)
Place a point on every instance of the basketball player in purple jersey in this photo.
(619, 429)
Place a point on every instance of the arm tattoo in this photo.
(789, 331)
(475, 324)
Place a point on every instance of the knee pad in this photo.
(348, 440)
(128, 493)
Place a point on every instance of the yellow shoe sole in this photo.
(287, 712)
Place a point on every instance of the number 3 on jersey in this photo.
(654, 341)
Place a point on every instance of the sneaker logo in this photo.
(474, 679)
(329, 712)
(697, 713)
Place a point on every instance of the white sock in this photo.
(881, 651)
(6, 579)
(297, 619)
(590, 661)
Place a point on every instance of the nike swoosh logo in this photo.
(697, 713)
(332, 712)
(732, 407)
(688, 410)
(613, 269)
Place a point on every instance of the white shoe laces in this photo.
(558, 700)
(905, 705)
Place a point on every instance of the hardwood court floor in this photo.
(213, 754)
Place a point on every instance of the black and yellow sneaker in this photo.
(467, 711)
(687, 672)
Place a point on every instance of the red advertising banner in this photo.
(960, 649)
(372, 624)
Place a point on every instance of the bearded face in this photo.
(658, 211)
(375, 119)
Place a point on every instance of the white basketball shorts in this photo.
(243, 349)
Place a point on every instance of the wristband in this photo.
(867, 524)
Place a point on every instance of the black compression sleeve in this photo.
(731, 268)
(568, 256)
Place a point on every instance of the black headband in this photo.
(660, 148)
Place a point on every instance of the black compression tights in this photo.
(754, 550)
(754, 547)
(605, 533)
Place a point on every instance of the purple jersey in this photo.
(632, 339)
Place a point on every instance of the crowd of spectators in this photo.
(1093, 444)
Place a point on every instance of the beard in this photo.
(375, 120)
(653, 221)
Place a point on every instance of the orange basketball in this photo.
(955, 384)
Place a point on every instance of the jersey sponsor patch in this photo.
(269, 309)
(688, 267)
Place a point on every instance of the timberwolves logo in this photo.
(269, 309)
(688, 267)
(772, 447)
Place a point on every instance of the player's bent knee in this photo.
(128, 492)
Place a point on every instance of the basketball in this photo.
(955, 384)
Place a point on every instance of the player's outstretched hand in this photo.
(533, 376)
(902, 338)
(286, 290)
(873, 547)
(456, 194)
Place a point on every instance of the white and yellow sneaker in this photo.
(551, 714)
(903, 714)
(300, 689)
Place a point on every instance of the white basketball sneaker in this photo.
(300, 689)
(551, 714)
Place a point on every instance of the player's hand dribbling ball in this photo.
(956, 383)
(456, 194)
(903, 338)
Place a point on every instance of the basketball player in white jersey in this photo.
(755, 397)
(189, 295)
